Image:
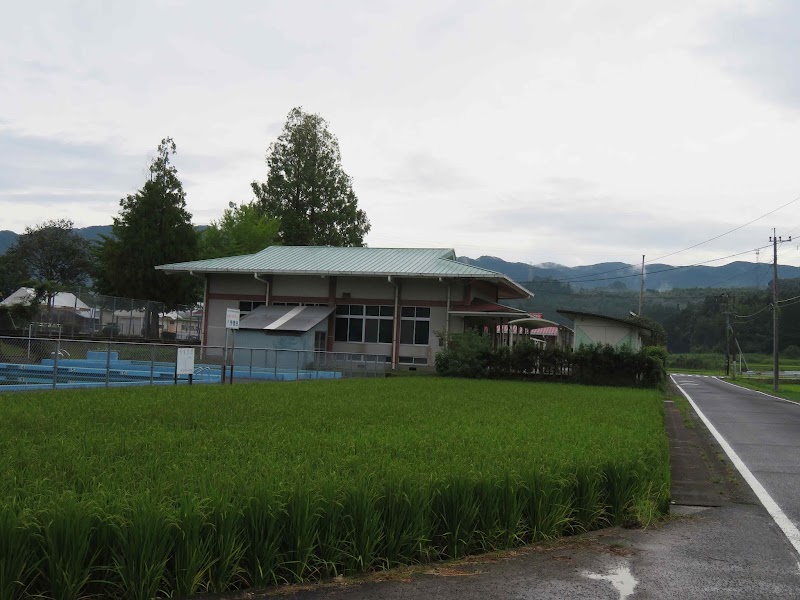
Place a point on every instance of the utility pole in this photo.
(775, 365)
(641, 287)
(727, 343)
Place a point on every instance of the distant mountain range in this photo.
(615, 275)
(93, 233)
(657, 276)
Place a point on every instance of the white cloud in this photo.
(499, 128)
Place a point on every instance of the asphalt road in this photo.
(764, 433)
(730, 548)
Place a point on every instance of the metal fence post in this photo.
(152, 361)
(251, 363)
(275, 366)
(55, 363)
(297, 368)
(108, 363)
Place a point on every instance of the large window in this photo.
(415, 325)
(364, 323)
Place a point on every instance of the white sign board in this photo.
(185, 364)
(232, 318)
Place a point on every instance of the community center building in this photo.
(396, 303)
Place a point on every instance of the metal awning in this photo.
(285, 318)
(533, 322)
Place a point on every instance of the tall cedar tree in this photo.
(51, 253)
(307, 189)
(153, 228)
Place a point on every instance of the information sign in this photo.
(232, 318)
(185, 365)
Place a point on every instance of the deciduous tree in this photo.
(243, 229)
(307, 190)
(51, 252)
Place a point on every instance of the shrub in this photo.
(466, 355)
(791, 351)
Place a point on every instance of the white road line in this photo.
(741, 387)
(781, 520)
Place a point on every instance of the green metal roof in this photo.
(327, 260)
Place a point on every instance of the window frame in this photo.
(421, 315)
(347, 314)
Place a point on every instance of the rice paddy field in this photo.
(167, 492)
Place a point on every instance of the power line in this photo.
(754, 314)
(661, 270)
(727, 232)
(694, 245)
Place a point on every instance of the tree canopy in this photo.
(153, 228)
(51, 252)
(243, 229)
(307, 190)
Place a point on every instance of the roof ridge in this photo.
(455, 260)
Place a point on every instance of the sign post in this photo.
(231, 324)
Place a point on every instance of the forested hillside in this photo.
(663, 277)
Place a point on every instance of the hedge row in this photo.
(472, 355)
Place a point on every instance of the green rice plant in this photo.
(622, 485)
(67, 547)
(455, 509)
(18, 557)
(488, 529)
(144, 545)
(588, 499)
(363, 531)
(300, 533)
(263, 520)
(191, 561)
(405, 514)
(546, 505)
(228, 547)
(510, 514)
(331, 544)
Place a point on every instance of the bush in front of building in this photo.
(471, 355)
(465, 355)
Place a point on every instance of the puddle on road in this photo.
(621, 578)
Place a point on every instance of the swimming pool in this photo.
(99, 369)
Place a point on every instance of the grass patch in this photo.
(683, 406)
(135, 492)
(790, 391)
(714, 364)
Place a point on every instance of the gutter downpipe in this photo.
(266, 283)
(396, 322)
(447, 313)
(205, 308)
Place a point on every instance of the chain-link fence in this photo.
(51, 362)
(78, 313)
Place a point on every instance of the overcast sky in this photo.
(537, 131)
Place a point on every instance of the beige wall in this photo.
(235, 284)
(376, 288)
(299, 285)
(590, 330)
